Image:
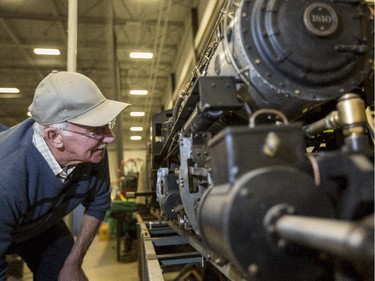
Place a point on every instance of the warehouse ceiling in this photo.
(107, 32)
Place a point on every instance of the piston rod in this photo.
(352, 241)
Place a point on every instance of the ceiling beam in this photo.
(6, 69)
(86, 46)
(83, 19)
(60, 25)
(17, 41)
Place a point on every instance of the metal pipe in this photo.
(349, 240)
(350, 115)
(331, 121)
(200, 121)
(72, 35)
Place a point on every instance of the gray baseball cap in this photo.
(70, 96)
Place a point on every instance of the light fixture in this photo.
(45, 51)
(139, 92)
(10, 93)
(9, 90)
(137, 113)
(135, 137)
(136, 129)
(141, 55)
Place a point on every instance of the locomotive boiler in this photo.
(267, 155)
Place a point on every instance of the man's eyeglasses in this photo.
(97, 133)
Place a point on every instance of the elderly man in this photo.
(49, 164)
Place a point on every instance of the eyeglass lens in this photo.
(100, 131)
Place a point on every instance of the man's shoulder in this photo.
(16, 139)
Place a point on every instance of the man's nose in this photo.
(109, 136)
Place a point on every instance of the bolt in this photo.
(220, 261)
(290, 210)
(271, 228)
(253, 269)
(281, 243)
(272, 144)
(244, 192)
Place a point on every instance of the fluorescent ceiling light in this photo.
(135, 137)
(43, 51)
(9, 90)
(136, 129)
(141, 55)
(137, 114)
(139, 92)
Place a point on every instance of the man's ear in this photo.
(52, 137)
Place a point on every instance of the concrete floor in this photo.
(101, 264)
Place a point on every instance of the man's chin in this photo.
(97, 156)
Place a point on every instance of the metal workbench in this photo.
(164, 249)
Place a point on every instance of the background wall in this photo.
(128, 156)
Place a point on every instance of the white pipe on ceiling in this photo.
(72, 35)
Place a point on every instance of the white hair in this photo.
(39, 128)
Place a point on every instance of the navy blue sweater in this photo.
(32, 198)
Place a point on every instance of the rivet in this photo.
(281, 243)
(253, 269)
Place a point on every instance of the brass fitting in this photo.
(352, 115)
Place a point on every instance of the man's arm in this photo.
(72, 270)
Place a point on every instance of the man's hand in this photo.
(72, 273)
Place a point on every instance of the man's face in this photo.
(85, 144)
